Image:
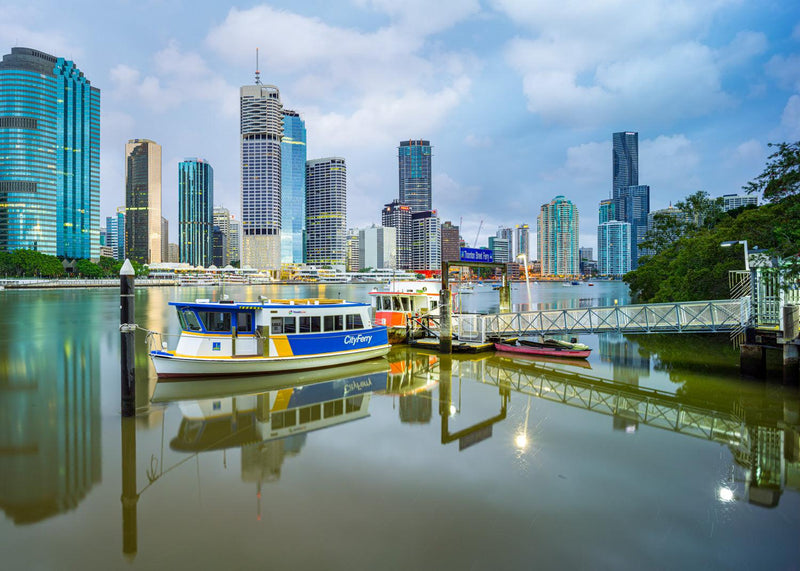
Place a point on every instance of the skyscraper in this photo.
(143, 201)
(414, 162)
(376, 247)
(632, 206)
(50, 168)
(222, 220)
(326, 211)
(426, 241)
(558, 238)
(195, 211)
(115, 233)
(522, 241)
(235, 241)
(614, 250)
(625, 160)
(451, 242)
(397, 215)
(293, 188)
(261, 134)
(501, 248)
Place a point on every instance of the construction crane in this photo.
(478, 235)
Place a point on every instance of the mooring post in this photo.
(445, 323)
(505, 293)
(791, 332)
(127, 335)
(130, 497)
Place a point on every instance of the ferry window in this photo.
(310, 324)
(189, 321)
(334, 322)
(284, 419)
(354, 321)
(434, 304)
(216, 321)
(283, 325)
(244, 322)
(310, 413)
(406, 306)
(333, 408)
(352, 404)
(396, 303)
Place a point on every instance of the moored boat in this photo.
(394, 305)
(269, 336)
(547, 348)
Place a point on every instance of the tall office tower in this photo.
(235, 242)
(451, 242)
(174, 253)
(261, 134)
(426, 241)
(522, 241)
(115, 233)
(607, 210)
(377, 246)
(164, 239)
(352, 246)
(505, 232)
(585, 253)
(222, 220)
(50, 147)
(326, 211)
(501, 248)
(143, 201)
(398, 215)
(731, 201)
(613, 248)
(557, 230)
(219, 247)
(195, 211)
(625, 159)
(414, 162)
(632, 206)
(293, 188)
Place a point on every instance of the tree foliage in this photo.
(781, 176)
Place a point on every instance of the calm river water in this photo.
(652, 454)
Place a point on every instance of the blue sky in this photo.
(518, 97)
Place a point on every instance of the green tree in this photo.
(88, 269)
(781, 176)
(110, 266)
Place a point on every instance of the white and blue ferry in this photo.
(270, 336)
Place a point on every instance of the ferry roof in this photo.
(271, 303)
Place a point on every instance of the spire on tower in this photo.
(258, 73)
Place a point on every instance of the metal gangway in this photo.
(681, 317)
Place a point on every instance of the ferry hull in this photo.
(168, 365)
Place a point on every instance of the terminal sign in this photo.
(477, 255)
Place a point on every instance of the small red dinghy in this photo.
(550, 348)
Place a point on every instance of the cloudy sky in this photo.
(518, 97)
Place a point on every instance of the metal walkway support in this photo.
(683, 317)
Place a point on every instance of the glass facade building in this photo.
(115, 234)
(632, 205)
(143, 201)
(293, 188)
(426, 241)
(261, 129)
(326, 211)
(558, 238)
(522, 241)
(195, 212)
(625, 159)
(414, 162)
(613, 248)
(50, 146)
(398, 216)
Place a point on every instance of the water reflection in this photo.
(50, 409)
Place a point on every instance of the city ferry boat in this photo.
(269, 336)
(402, 300)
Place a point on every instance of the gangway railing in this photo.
(682, 317)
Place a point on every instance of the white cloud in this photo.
(424, 16)
(30, 28)
(670, 165)
(785, 70)
(749, 151)
(790, 119)
(575, 72)
(587, 165)
(477, 141)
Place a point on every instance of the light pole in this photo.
(746, 256)
(527, 280)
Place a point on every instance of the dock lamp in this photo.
(527, 279)
(744, 243)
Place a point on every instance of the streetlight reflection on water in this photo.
(527, 279)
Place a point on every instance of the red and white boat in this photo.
(401, 300)
(547, 348)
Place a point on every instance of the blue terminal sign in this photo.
(477, 255)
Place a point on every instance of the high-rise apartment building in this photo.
(731, 201)
(261, 134)
(115, 233)
(607, 210)
(632, 206)
(222, 220)
(352, 247)
(414, 165)
(614, 249)
(426, 238)
(377, 247)
(398, 215)
(557, 231)
(293, 188)
(326, 211)
(625, 160)
(164, 239)
(143, 201)
(585, 253)
(451, 242)
(522, 241)
(195, 211)
(500, 248)
(235, 241)
(50, 166)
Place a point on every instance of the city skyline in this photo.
(705, 86)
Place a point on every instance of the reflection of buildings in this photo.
(412, 376)
(49, 412)
(629, 366)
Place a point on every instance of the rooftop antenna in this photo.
(258, 73)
